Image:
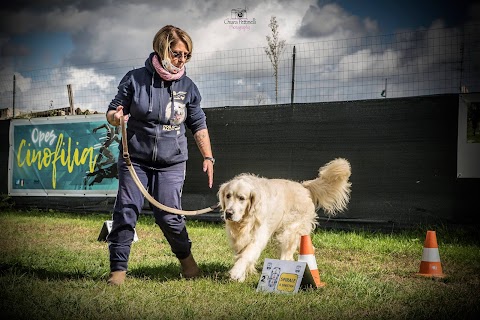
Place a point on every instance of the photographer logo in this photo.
(238, 20)
(239, 13)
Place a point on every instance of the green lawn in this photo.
(53, 267)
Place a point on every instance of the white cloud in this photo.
(90, 90)
(332, 20)
(117, 36)
(365, 62)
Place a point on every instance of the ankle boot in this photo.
(189, 268)
(116, 278)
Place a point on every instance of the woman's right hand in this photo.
(117, 116)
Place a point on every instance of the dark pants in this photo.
(165, 185)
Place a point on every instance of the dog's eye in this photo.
(242, 198)
(228, 196)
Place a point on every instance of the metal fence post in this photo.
(293, 76)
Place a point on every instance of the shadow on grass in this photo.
(161, 273)
(18, 270)
(171, 271)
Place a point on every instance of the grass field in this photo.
(53, 267)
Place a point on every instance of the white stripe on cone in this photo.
(309, 259)
(430, 255)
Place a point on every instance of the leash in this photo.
(126, 157)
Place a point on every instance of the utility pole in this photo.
(70, 98)
(13, 104)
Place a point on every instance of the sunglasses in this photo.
(177, 55)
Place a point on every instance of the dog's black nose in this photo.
(228, 214)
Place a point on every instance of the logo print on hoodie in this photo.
(179, 108)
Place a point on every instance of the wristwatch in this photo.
(211, 159)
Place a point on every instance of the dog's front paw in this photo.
(237, 274)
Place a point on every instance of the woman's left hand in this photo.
(208, 168)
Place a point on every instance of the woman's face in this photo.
(179, 54)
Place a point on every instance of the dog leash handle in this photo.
(126, 155)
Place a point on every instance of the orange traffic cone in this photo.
(307, 255)
(431, 265)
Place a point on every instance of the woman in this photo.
(159, 101)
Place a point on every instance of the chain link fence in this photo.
(414, 63)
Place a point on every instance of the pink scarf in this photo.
(164, 74)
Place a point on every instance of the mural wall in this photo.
(63, 156)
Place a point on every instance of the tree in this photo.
(260, 98)
(274, 50)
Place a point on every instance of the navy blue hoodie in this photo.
(156, 126)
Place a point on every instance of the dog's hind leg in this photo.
(287, 253)
(288, 244)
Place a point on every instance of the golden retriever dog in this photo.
(257, 209)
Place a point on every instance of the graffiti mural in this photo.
(63, 156)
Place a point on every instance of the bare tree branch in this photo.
(274, 50)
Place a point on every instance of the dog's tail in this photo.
(331, 190)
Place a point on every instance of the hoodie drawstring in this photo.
(150, 107)
(172, 106)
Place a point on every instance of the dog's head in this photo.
(236, 198)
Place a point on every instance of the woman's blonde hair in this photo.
(168, 36)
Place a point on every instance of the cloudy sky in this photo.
(54, 33)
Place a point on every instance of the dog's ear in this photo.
(253, 201)
(221, 195)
